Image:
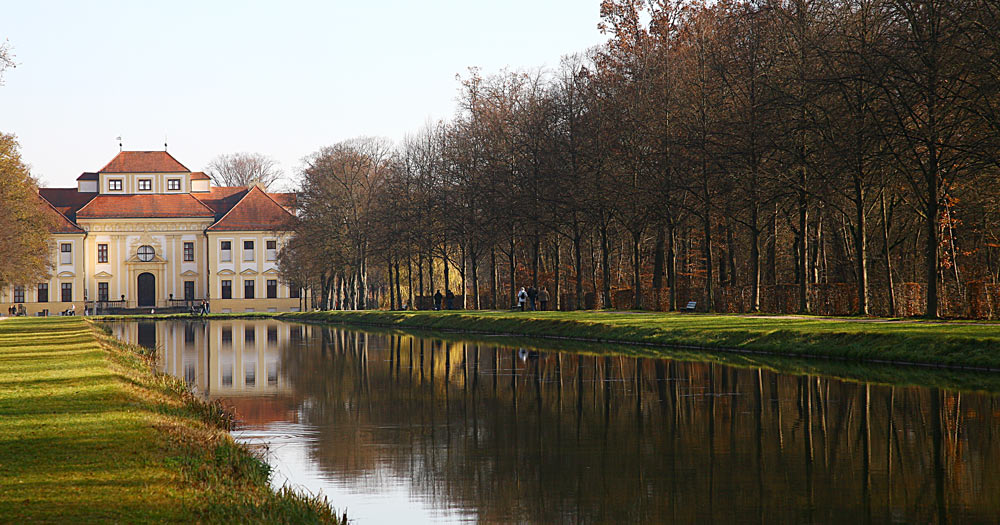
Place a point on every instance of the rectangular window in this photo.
(272, 288)
(66, 253)
(250, 374)
(173, 184)
(247, 250)
(43, 292)
(272, 250)
(188, 290)
(227, 251)
(102, 253)
(227, 374)
(188, 251)
(227, 289)
(18, 294)
(248, 289)
(293, 291)
(67, 292)
(227, 336)
(102, 291)
(114, 185)
(249, 335)
(145, 184)
(272, 373)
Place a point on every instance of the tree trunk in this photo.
(420, 275)
(888, 257)
(772, 245)
(578, 264)
(709, 289)
(803, 254)
(474, 261)
(444, 259)
(409, 278)
(392, 296)
(605, 268)
(672, 265)
(493, 277)
(636, 270)
(512, 293)
(860, 247)
(557, 302)
(399, 293)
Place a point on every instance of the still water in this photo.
(395, 428)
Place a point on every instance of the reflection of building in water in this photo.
(231, 358)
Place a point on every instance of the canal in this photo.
(396, 427)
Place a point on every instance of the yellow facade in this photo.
(162, 254)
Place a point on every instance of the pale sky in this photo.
(280, 78)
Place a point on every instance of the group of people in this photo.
(15, 310)
(449, 300)
(530, 296)
(201, 309)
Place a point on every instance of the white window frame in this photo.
(139, 184)
(111, 184)
(271, 254)
(248, 254)
(171, 182)
(225, 255)
(65, 256)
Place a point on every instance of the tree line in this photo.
(705, 147)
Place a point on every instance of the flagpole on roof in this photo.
(119, 139)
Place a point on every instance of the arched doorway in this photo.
(146, 289)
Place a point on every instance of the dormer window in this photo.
(145, 184)
(114, 185)
(173, 184)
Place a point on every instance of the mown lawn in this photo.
(89, 434)
(963, 344)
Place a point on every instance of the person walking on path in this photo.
(522, 297)
(532, 296)
(543, 298)
(449, 299)
(437, 299)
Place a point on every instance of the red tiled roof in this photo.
(255, 211)
(200, 175)
(288, 201)
(87, 176)
(66, 200)
(221, 199)
(60, 224)
(144, 206)
(144, 162)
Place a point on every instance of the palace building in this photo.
(146, 232)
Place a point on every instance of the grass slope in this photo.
(89, 434)
(955, 344)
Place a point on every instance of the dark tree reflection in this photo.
(514, 435)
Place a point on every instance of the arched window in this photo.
(146, 253)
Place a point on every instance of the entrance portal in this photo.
(146, 289)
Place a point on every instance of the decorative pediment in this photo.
(225, 272)
(248, 272)
(65, 274)
(189, 273)
(102, 275)
(271, 271)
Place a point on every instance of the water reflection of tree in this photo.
(564, 437)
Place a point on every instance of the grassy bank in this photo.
(954, 344)
(89, 434)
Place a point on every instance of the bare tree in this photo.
(244, 169)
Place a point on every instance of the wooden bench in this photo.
(690, 306)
